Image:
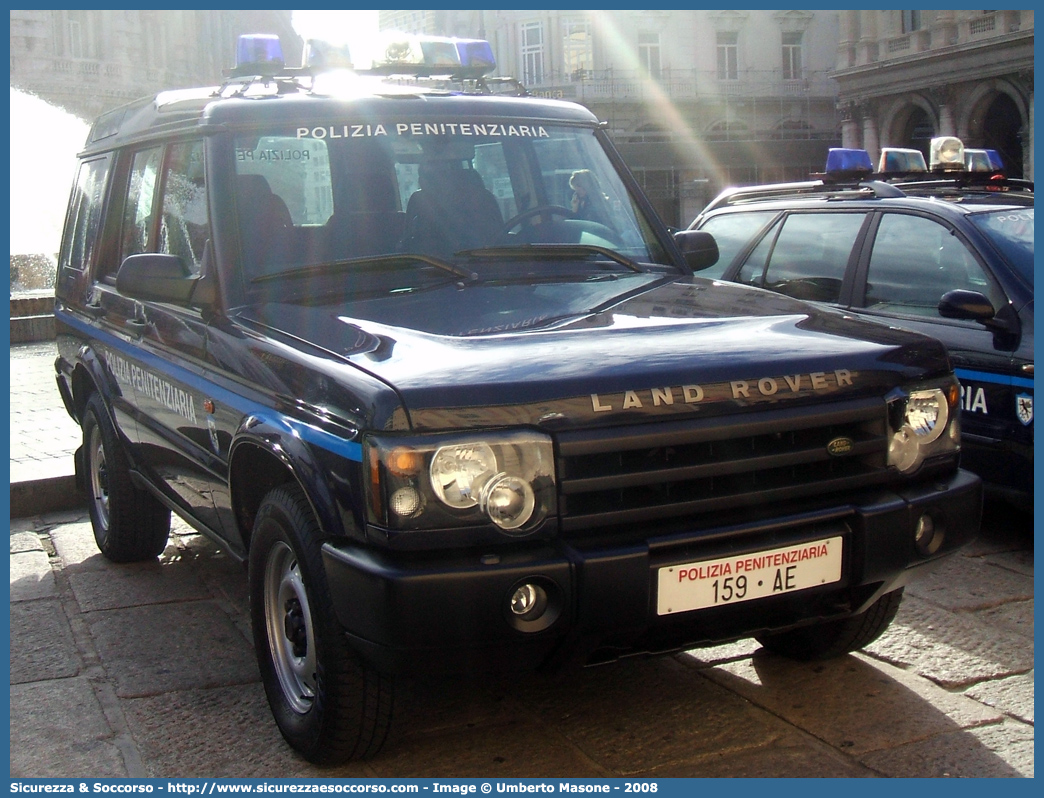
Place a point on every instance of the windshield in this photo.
(1011, 232)
(462, 196)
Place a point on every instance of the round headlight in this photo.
(508, 501)
(903, 451)
(918, 420)
(926, 414)
(459, 472)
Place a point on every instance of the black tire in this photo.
(130, 524)
(329, 706)
(834, 638)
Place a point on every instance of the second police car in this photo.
(946, 251)
(358, 330)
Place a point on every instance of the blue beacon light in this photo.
(848, 161)
(258, 54)
(476, 54)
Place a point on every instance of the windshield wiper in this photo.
(552, 251)
(368, 262)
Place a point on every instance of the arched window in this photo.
(727, 131)
(649, 132)
(792, 129)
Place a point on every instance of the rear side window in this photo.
(185, 226)
(140, 205)
(84, 215)
(808, 257)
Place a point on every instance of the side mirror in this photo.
(966, 305)
(973, 306)
(156, 277)
(699, 248)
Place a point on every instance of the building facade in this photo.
(88, 62)
(694, 100)
(906, 76)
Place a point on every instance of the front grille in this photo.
(658, 471)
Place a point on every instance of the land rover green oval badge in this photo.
(840, 446)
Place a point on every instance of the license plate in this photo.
(745, 577)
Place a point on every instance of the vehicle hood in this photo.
(646, 347)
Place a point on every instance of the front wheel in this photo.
(130, 524)
(834, 638)
(328, 705)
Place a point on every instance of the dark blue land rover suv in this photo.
(355, 328)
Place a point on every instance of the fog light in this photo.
(508, 501)
(405, 502)
(528, 602)
(928, 536)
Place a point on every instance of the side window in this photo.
(915, 261)
(84, 215)
(185, 226)
(732, 232)
(810, 255)
(138, 209)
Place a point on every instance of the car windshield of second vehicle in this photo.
(453, 204)
(1011, 231)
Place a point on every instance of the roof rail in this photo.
(856, 188)
(965, 180)
(878, 186)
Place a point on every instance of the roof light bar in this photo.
(900, 160)
(421, 56)
(258, 54)
(321, 55)
(947, 154)
(476, 54)
(437, 51)
(983, 161)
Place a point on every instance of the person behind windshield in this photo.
(452, 210)
(589, 201)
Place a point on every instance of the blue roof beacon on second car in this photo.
(944, 248)
(356, 326)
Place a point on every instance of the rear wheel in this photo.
(328, 705)
(834, 638)
(129, 523)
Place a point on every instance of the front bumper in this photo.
(448, 612)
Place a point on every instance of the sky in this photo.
(40, 186)
(355, 27)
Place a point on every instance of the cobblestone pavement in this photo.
(147, 670)
(43, 436)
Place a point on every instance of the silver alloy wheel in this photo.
(99, 477)
(290, 636)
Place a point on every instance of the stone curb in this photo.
(41, 496)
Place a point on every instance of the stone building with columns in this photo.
(906, 76)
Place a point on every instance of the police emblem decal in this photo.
(1024, 408)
